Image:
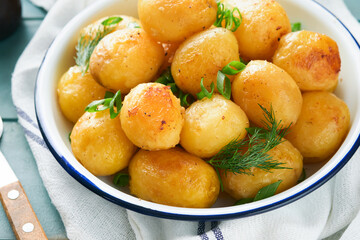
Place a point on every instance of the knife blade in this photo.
(17, 207)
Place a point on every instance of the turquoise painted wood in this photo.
(13, 143)
(354, 7)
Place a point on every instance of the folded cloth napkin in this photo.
(331, 211)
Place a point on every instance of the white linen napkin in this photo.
(331, 211)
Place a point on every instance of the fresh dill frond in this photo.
(239, 156)
(87, 42)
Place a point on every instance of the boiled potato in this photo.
(152, 116)
(246, 186)
(127, 22)
(75, 91)
(312, 59)
(100, 144)
(263, 83)
(264, 22)
(322, 126)
(202, 56)
(173, 177)
(174, 20)
(169, 53)
(125, 58)
(210, 124)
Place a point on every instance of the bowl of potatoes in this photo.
(201, 110)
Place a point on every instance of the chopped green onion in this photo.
(121, 179)
(232, 23)
(296, 26)
(204, 92)
(267, 191)
(109, 94)
(107, 103)
(111, 21)
(263, 193)
(229, 68)
(223, 82)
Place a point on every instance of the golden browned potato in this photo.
(125, 58)
(322, 126)
(173, 177)
(246, 186)
(202, 56)
(75, 91)
(152, 116)
(264, 22)
(173, 20)
(210, 124)
(169, 53)
(127, 22)
(312, 59)
(263, 83)
(100, 144)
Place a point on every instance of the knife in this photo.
(17, 207)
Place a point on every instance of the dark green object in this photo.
(296, 27)
(265, 192)
(10, 17)
(121, 179)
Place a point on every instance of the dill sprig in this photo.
(239, 156)
(86, 44)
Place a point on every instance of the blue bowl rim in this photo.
(155, 213)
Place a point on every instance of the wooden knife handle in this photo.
(21, 216)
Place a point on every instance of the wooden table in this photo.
(13, 143)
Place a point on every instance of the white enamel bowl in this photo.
(55, 128)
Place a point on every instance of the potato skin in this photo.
(202, 56)
(75, 91)
(246, 186)
(90, 30)
(312, 59)
(173, 21)
(264, 83)
(125, 58)
(264, 22)
(322, 126)
(152, 117)
(100, 144)
(210, 124)
(173, 177)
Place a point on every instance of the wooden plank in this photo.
(16, 150)
(10, 49)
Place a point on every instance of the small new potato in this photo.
(125, 58)
(210, 124)
(263, 24)
(312, 59)
(100, 144)
(241, 186)
(202, 56)
(266, 84)
(127, 22)
(152, 117)
(173, 177)
(322, 126)
(75, 91)
(173, 21)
